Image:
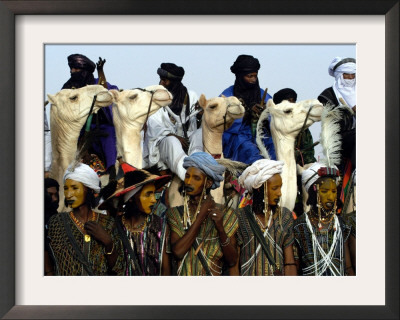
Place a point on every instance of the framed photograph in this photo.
(30, 27)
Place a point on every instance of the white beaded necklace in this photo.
(326, 261)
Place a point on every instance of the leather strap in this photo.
(78, 252)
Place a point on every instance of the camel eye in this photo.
(213, 106)
(287, 111)
(133, 97)
(73, 98)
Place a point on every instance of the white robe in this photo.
(165, 151)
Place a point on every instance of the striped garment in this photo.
(190, 265)
(303, 240)
(62, 251)
(252, 264)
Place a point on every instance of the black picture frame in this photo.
(8, 11)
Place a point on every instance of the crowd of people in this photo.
(128, 227)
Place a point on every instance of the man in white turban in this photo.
(344, 86)
(82, 241)
(343, 92)
(265, 236)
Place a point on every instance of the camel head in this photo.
(132, 106)
(288, 118)
(220, 112)
(73, 105)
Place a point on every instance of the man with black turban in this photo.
(239, 140)
(170, 130)
(105, 142)
(304, 145)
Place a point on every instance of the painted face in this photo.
(194, 181)
(327, 193)
(75, 193)
(145, 199)
(53, 193)
(251, 77)
(274, 185)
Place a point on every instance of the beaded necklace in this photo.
(132, 229)
(80, 224)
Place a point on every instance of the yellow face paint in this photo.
(327, 193)
(75, 193)
(145, 199)
(274, 186)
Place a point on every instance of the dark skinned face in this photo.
(194, 181)
(274, 185)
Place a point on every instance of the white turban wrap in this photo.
(85, 175)
(344, 88)
(309, 176)
(260, 171)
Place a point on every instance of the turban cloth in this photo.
(79, 61)
(206, 163)
(310, 175)
(339, 65)
(85, 175)
(345, 88)
(260, 171)
(245, 64)
(171, 71)
(284, 94)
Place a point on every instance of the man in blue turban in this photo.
(202, 234)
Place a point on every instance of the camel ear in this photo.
(115, 94)
(51, 98)
(270, 103)
(222, 96)
(202, 101)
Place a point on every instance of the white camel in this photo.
(286, 121)
(68, 113)
(218, 115)
(131, 108)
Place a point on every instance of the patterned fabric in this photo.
(190, 265)
(147, 247)
(66, 263)
(247, 241)
(303, 239)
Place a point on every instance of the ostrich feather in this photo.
(260, 135)
(331, 140)
(234, 167)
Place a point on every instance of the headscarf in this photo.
(83, 77)
(344, 88)
(245, 64)
(206, 163)
(84, 174)
(79, 61)
(260, 171)
(284, 94)
(310, 175)
(249, 92)
(175, 74)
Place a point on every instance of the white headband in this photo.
(84, 174)
(259, 172)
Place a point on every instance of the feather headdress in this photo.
(331, 140)
(260, 133)
(235, 168)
